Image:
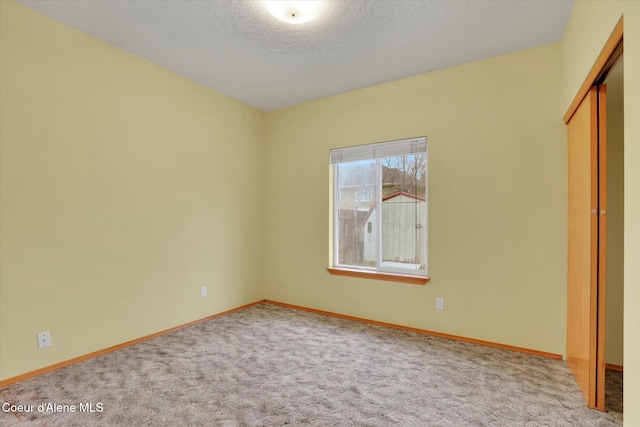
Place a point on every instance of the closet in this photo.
(587, 223)
(586, 275)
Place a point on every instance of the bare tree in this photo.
(406, 173)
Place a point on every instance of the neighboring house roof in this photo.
(391, 196)
(390, 176)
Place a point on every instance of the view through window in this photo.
(380, 206)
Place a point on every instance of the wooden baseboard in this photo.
(117, 347)
(422, 331)
(612, 367)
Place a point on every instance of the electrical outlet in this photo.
(439, 303)
(44, 339)
(203, 291)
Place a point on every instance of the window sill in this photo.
(415, 280)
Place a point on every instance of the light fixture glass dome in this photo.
(294, 12)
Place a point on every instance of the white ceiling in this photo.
(236, 47)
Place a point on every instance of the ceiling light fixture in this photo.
(294, 12)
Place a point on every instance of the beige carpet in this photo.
(273, 366)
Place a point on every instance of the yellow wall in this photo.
(615, 218)
(124, 186)
(589, 27)
(497, 199)
(115, 204)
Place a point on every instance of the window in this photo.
(365, 194)
(380, 208)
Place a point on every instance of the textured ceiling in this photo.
(236, 47)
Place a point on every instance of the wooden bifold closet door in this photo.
(586, 298)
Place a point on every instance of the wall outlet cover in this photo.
(44, 339)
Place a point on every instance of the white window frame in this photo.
(378, 152)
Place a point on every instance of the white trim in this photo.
(336, 221)
(378, 214)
